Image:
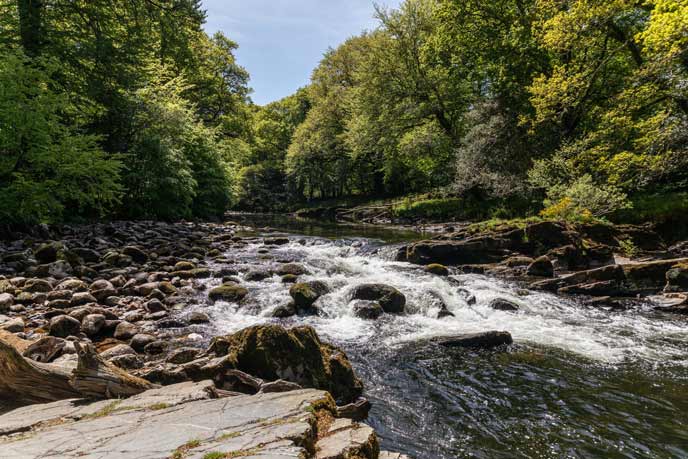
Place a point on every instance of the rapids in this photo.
(578, 382)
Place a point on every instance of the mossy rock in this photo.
(437, 269)
(292, 268)
(184, 266)
(272, 352)
(231, 293)
(305, 294)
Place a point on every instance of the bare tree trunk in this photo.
(26, 381)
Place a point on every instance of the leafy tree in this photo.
(49, 169)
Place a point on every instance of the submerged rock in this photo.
(272, 352)
(367, 309)
(478, 340)
(437, 269)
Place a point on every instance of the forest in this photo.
(570, 109)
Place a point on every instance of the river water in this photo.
(579, 382)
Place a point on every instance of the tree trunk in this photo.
(26, 381)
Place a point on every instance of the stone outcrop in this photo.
(185, 421)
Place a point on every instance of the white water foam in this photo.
(544, 319)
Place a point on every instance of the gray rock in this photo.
(501, 304)
(541, 267)
(348, 439)
(13, 326)
(141, 340)
(125, 331)
(117, 351)
(183, 355)
(367, 309)
(64, 326)
(6, 300)
(81, 298)
(198, 317)
(92, 324)
(391, 299)
(176, 421)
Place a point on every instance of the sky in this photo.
(282, 41)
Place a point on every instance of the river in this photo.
(579, 382)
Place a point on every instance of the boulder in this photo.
(364, 309)
(305, 294)
(141, 340)
(198, 317)
(63, 326)
(6, 300)
(676, 277)
(391, 299)
(92, 324)
(231, 293)
(125, 331)
(501, 304)
(272, 352)
(437, 269)
(48, 253)
(136, 254)
(541, 267)
(257, 276)
(15, 325)
(284, 311)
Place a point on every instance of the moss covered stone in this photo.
(272, 352)
(307, 293)
(437, 269)
(228, 292)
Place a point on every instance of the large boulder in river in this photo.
(272, 352)
(391, 299)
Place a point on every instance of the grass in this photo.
(495, 224)
(183, 450)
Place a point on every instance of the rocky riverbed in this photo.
(255, 311)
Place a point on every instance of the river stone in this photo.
(257, 276)
(677, 278)
(141, 340)
(231, 293)
(478, 340)
(6, 300)
(63, 326)
(293, 269)
(284, 311)
(82, 298)
(125, 331)
(541, 267)
(14, 325)
(198, 317)
(183, 355)
(366, 309)
(116, 351)
(136, 254)
(184, 266)
(305, 294)
(290, 279)
(391, 299)
(437, 269)
(92, 324)
(47, 253)
(272, 352)
(37, 285)
(501, 304)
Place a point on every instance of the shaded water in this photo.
(579, 382)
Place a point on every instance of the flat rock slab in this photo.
(347, 439)
(181, 421)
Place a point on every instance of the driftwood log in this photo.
(93, 377)
(26, 381)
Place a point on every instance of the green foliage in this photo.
(49, 169)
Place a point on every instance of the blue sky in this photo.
(282, 41)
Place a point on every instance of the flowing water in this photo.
(579, 382)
